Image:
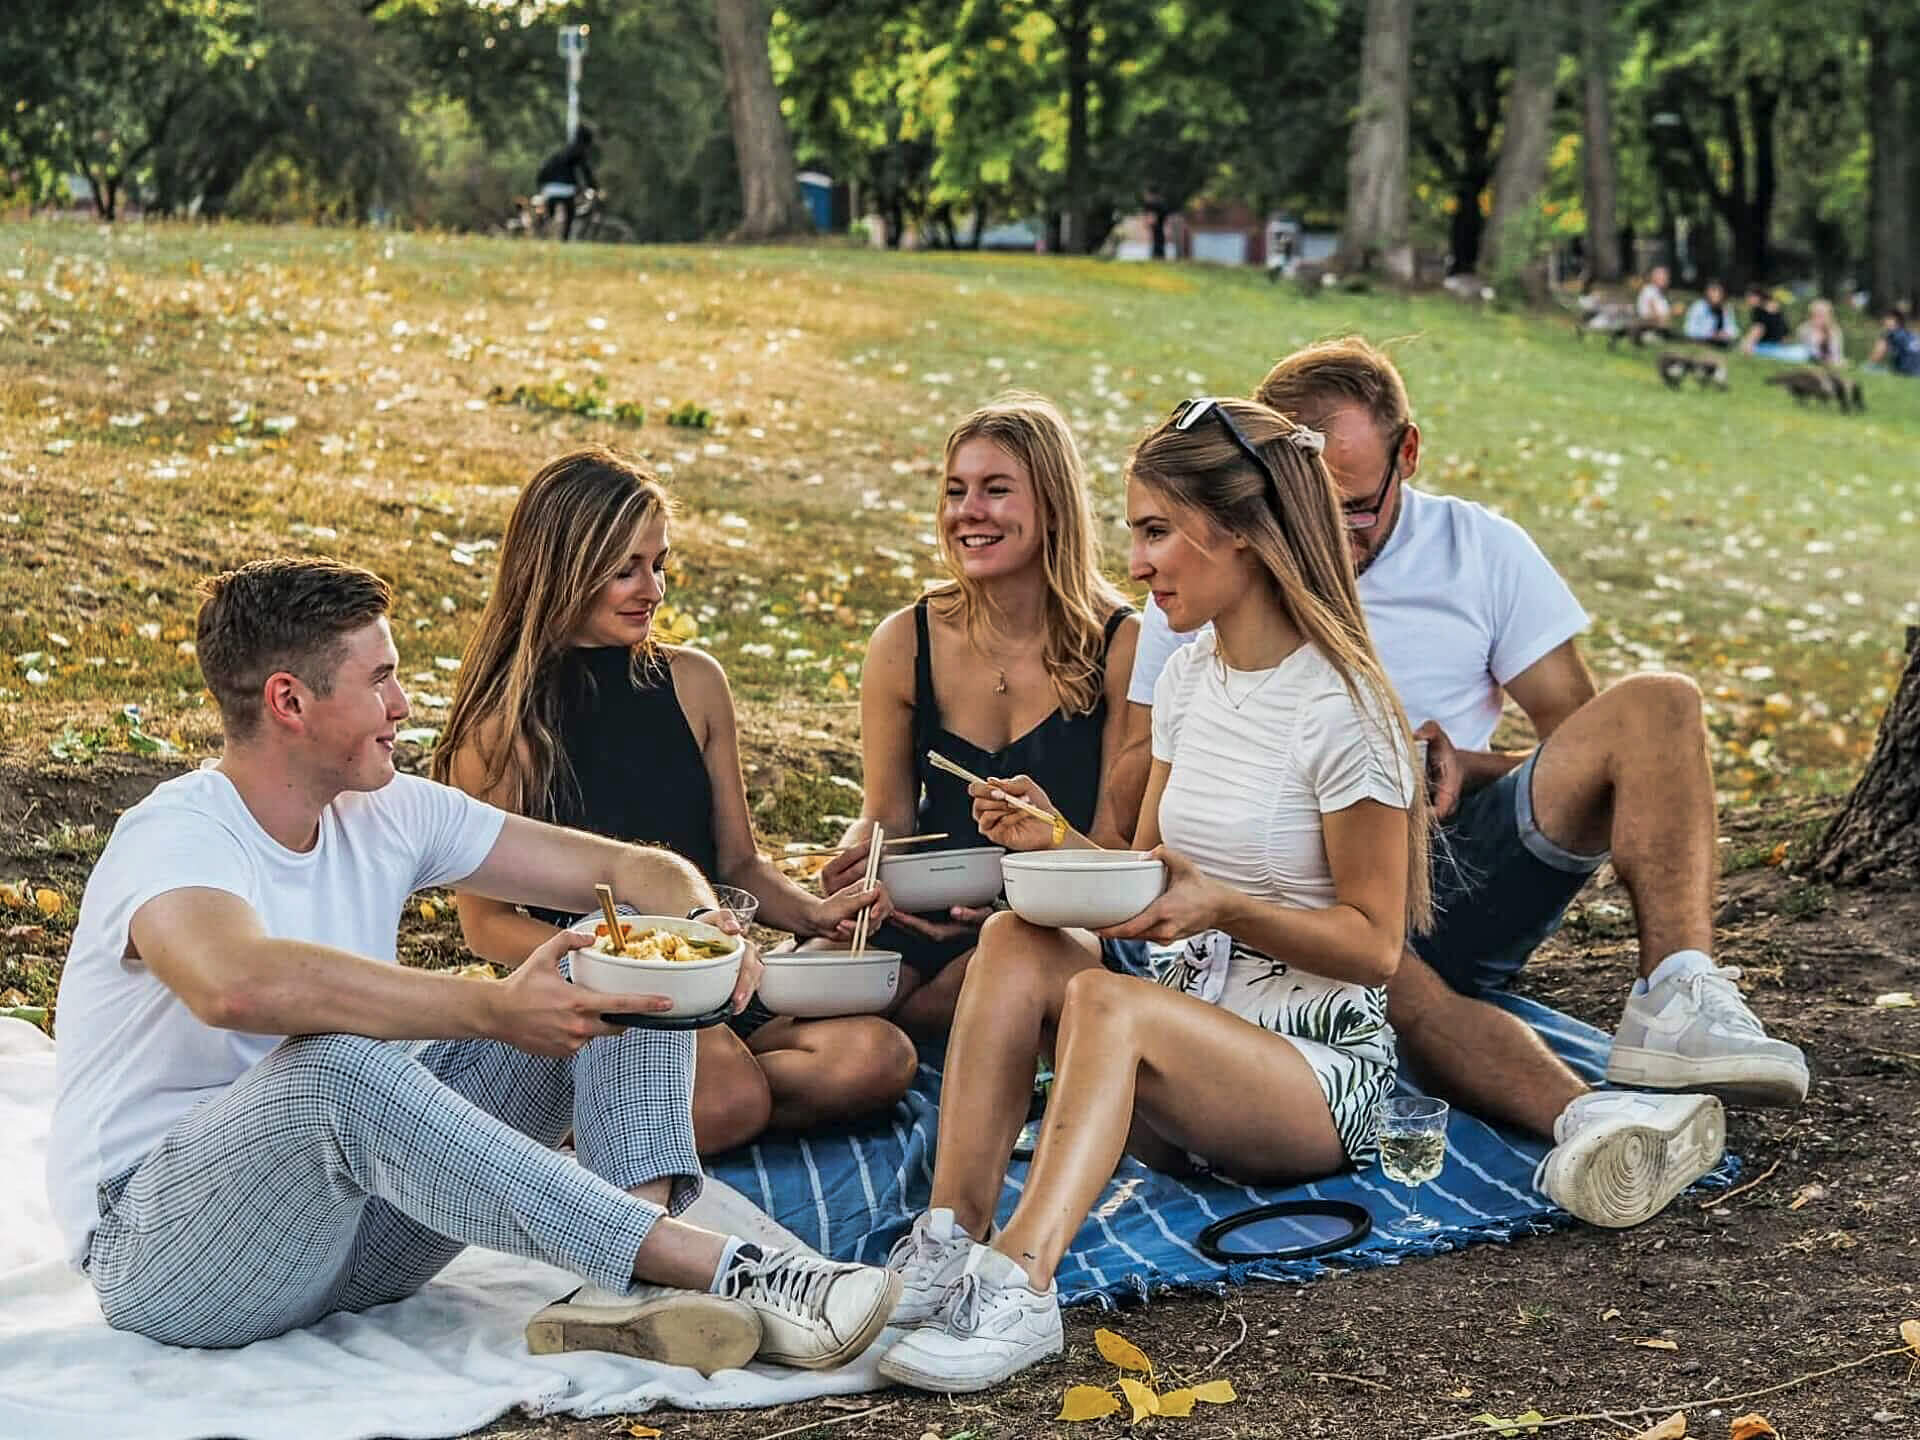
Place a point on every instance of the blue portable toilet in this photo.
(817, 191)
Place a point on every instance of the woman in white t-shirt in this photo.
(1282, 800)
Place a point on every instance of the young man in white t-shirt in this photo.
(261, 1118)
(1465, 613)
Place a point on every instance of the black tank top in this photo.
(1062, 752)
(638, 774)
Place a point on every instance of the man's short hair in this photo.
(1329, 373)
(291, 614)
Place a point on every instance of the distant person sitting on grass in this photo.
(1652, 308)
(1467, 614)
(570, 709)
(1710, 319)
(1897, 349)
(1820, 333)
(564, 176)
(1767, 329)
(261, 1118)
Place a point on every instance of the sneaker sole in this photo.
(903, 1372)
(854, 1344)
(704, 1332)
(1630, 1174)
(1738, 1079)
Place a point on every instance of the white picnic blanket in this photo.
(441, 1363)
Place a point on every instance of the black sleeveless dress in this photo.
(1062, 753)
(637, 772)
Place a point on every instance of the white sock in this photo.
(1679, 964)
(729, 1255)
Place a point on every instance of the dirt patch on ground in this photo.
(1810, 1264)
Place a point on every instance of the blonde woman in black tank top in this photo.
(568, 709)
(1018, 663)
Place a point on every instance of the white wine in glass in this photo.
(1413, 1150)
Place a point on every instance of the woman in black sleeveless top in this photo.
(568, 710)
(1017, 665)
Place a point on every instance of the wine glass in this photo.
(740, 903)
(1413, 1148)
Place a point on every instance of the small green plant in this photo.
(563, 397)
(691, 416)
(80, 746)
(1805, 901)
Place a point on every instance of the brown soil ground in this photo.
(1811, 1263)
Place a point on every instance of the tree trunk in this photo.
(1079, 40)
(1602, 176)
(770, 196)
(1876, 835)
(1375, 233)
(1522, 172)
(1890, 243)
(1159, 234)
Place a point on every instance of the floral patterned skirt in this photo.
(1340, 1029)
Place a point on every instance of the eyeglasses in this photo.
(1365, 514)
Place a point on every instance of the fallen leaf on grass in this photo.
(26, 932)
(49, 902)
(1120, 1351)
(1910, 1332)
(1141, 1397)
(642, 1432)
(1658, 1344)
(1529, 1422)
(1896, 1000)
(1086, 1402)
(1674, 1427)
(1180, 1403)
(1750, 1426)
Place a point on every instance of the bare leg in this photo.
(731, 1099)
(1189, 1068)
(1016, 986)
(823, 1071)
(928, 1008)
(675, 1253)
(1628, 771)
(1475, 1054)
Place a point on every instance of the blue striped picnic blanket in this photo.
(851, 1193)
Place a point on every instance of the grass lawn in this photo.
(178, 400)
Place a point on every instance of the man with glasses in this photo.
(1465, 613)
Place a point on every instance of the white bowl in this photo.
(940, 879)
(813, 983)
(1089, 888)
(696, 987)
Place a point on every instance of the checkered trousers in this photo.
(343, 1172)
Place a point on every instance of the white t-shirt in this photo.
(1256, 758)
(132, 1058)
(1458, 601)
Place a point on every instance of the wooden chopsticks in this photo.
(810, 852)
(879, 838)
(1058, 822)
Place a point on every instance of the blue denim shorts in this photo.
(1500, 886)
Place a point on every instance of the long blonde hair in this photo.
(1079, 598)
(567, 537)
(1294, 526)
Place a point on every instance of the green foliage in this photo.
(690, 416)
(563, 397)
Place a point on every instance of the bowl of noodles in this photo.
(693, 964)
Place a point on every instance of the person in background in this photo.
(1284, 803)
(1467, 615)
(1767, 329)
(1820, 333)
(571, 710)
(1651, 307)
(1016, 665)
(565, 176)
(1710, 319)
(1897, 349)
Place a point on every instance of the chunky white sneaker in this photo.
(673, 1327)
(1621, 1156)
(1694, 1032)
(992, 1324)
(928, 1259)
(814, 1313)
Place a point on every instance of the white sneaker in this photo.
(1694, 1032)
(655, 1322)
(814, 1313)
(992, 1324)
(1621, 1156)
(928, 1259)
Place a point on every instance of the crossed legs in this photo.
(794, 1075)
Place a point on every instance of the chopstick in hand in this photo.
(879, 837)
(1057, 823)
